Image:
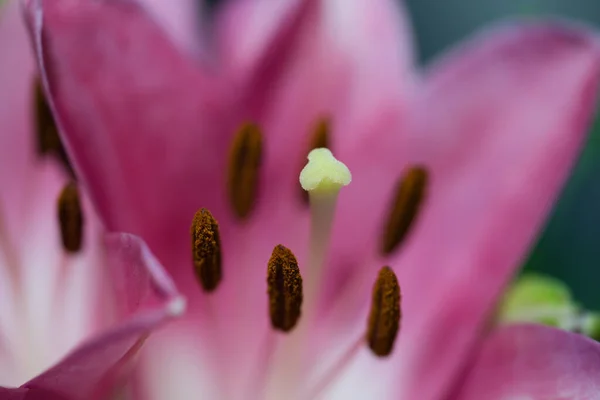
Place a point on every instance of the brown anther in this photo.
(244, 167)
(320, 137)
(410, 193)
(284, 288)
(70, 218)
(384, 318)
(48, 140)
(206, 249)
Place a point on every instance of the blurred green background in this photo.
(570, 246)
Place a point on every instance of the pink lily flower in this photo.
(66, 331)
(149, 115)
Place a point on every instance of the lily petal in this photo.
(499, 124)
(533, 362)
(119, 120)
(512, 111)
(145, 299)
(180, 19)
(16, 81)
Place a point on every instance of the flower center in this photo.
(291, 295)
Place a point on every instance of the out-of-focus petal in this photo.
(144, 299)
(533, 362)
(17, 146)
(13, 394)
(499, 125)
(512, 114)
(136, 272)
(246, 29)
(180, 18)
(139, 119)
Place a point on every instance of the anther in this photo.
(284, 288)
(244, 167)
(410, 194)
(320, 138)
(206, 249)
(384, 318)
(48, 140)
(70, 218)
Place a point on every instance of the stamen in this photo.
(320, 139)
(284, 288)
(384, 318)
(48, 139)
(244, 162)
(206, 249)
(410, 193)
(70, 218)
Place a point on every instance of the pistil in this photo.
(322, 177)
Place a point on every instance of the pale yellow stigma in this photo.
(324, 173)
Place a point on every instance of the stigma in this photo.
(324, 174)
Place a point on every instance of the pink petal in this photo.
(247, 29)
(513, 111)
(17, 144)
(499, 123)
(533, 362)
(13, 394)
(120, 120)
(93, 368)
(180, 18)
(136, 272)
(120, 123)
